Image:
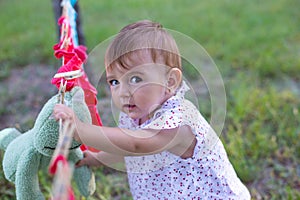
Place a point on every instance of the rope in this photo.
(70, 74)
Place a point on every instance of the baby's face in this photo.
(141, 89)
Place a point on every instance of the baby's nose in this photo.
(125, 90)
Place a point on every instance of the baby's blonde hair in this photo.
(140, 37)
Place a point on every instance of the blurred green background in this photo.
(255, 44)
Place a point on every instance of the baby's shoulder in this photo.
(189, 109)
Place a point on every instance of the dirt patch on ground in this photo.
(24, 92)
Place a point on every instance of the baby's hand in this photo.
(89, 159)
(65, 113)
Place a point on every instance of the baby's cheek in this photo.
(116, 102)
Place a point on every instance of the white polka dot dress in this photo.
(208, 174)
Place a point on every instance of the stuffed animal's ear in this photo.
(79, 106)
(77, 94)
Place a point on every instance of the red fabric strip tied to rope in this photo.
(73, 60)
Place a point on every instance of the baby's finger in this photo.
(60, 115)
(82, 161)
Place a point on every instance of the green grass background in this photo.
(255, 44)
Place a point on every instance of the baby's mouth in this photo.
(129, 107)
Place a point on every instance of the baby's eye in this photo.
(113, 82)
(135, 79)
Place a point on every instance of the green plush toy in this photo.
(27, 153)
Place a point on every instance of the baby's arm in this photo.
(126, 142)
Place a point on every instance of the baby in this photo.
(170, 150)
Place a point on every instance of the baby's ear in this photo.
(174, 79)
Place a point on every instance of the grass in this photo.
(255, 44)
(267, 125)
